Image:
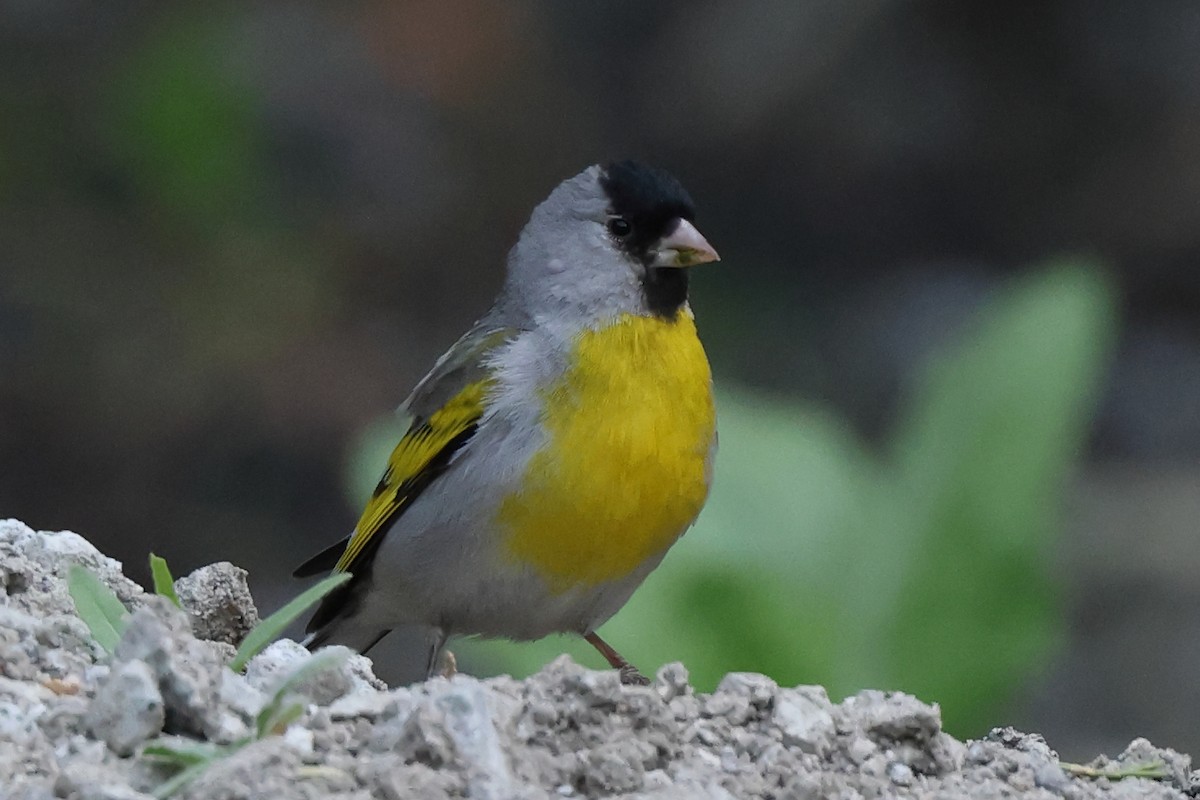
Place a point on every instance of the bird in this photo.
(557, 450)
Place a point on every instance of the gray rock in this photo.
(35, 565)
(1050, 776)
(64, 717)
(370, 705)
(127, 708)
(186, 670)
(898, 722)
(362, 675)
(450, 724)
(424, 737)
(672, 681)
(900, 774)
(276, 661)
(40, 634)
(470, 720)
(859, 749)
(112, 792)
(327, 685)
(22, 790)
(300, 741)
(236, 694)
(1178, 766)
(263, 769)
(743, 696)
(69, 715)
(616, 767)
(218, 601)
(88, 781)
(279, 661)
(805, 719)
(391, 778)
(22, 704)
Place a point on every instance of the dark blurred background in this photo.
(233, 236)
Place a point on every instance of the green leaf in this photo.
(98, 606)
(963, 602)
(1155, 770)
(270, 628)
(182, 752)
(180, 780)
(191, 756)
(164, 584)
(186, 129)
(275, 714)
(279, 721)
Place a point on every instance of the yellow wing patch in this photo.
(421, 456)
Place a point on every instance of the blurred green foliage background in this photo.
(955, 330)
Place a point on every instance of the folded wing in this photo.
(445, 408)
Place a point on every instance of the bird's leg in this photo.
(437, 640)
(447, 665)
(628, 672)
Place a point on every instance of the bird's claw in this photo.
(631, 677)
(448, 666)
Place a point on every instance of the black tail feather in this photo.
(323, 561)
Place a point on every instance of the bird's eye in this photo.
(620, 227)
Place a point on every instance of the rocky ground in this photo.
(77, 722)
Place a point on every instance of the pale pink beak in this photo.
(684, 247)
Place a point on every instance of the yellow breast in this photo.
(626, 468)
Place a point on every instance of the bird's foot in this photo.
(448, 666)
(628, 672)
(631, 677)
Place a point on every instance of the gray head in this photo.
(611, 240)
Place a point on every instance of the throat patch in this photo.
(666, 289)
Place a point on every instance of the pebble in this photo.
(128, 708)
(218, 601)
